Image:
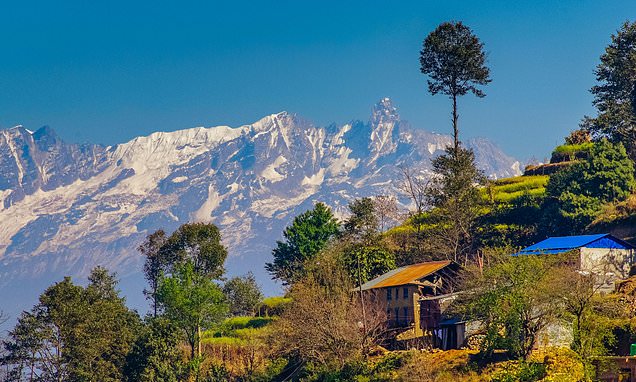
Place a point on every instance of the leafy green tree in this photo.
(34, 350)
(453, 59)
(243, 294)
(155, 355)
(364, 254)
(324, 324)
(154, 264)
(615, 95)
(363, 225)
(514, 300)
(456, 202)
(74, 333)
(594, 316)
(304, 238)
(192, 302)
(99, 343)
(364, 263)
(580, 190)
(198, 244)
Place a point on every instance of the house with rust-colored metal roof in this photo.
(414, 297)
(407, 275)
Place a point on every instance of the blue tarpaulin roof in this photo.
(562, 244)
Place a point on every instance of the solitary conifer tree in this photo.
(453, 59)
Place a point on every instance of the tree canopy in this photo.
(615, 95)
(243, 294)
(73, 333)
(199, 244)
(580, 190)
(192, 302)
(303, 239)
(452, 57)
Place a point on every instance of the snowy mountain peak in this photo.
(384, 112)
(383, 129)
(65, 208)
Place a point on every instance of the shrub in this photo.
(514, 371)
(273, 306)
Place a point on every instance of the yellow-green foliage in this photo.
(273, 306)
(237, 346)
(508, 189)
(561, 364)
(236, 330)
(573, 149)
(549, 365)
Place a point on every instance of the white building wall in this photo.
(608, 264)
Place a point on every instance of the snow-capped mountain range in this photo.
(65, 208)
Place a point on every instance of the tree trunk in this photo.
(198, 340)
(154, 298)
(455, 132)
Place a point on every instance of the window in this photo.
(389, 294)
(397, 293)
(406, 314)
(405, 292)
(388, 314)
(397, 315)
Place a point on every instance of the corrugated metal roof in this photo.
(565, 242)
(562, 244)
(405, 275)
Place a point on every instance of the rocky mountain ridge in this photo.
(65, 208)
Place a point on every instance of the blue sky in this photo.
(108, 71)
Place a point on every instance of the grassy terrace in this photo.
(565, 153)
(236, 330)
(508, 189)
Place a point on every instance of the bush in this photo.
(235, 323)
(514, 371)
(565, 153)
(607, 175)
(273, 306)
(381, 369)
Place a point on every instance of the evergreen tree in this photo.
(363, 225)
(453, 59)
(154, 264)
(304, 238)
(73, 333)
(155, 355)
(615, 95)
(579, 191)
(243, 295)
(455, 199)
